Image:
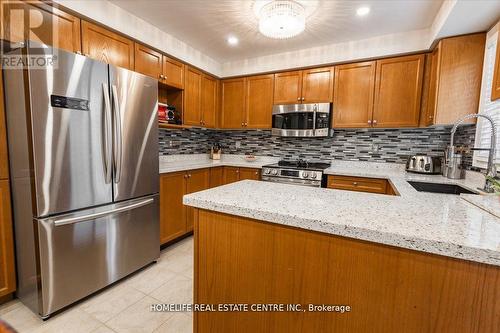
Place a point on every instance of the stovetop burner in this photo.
(303, 164)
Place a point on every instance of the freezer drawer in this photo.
(83, 252)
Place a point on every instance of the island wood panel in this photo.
(105, 45)
(398, 87)
(47, 24)
(197, 180)
(7, 266)
(287, 87)
(4, 159)
(389, 289)
(259, 101)
(353, 95)
(249, 173)
(317, 85)
(458, 81)
(495, 85)
(233, 103)
(231, 174)
(209, 93)
(192, 97)
(172, 210)
(173, 71)
(216, 176)
(148, 61)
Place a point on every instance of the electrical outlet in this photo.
(237, 144)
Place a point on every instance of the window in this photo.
(487, 107)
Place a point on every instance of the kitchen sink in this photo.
(440, 188)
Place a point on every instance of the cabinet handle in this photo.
(369, 122)
(257, 173)
(298, 98)
(355, 183)
(237, 171)
(303, 99)
(242, 124)
(189, 176)
(185, 176)
(374, 122)
(78, 52)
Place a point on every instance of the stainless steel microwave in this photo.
(301, 119)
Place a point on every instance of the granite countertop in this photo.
(435, 223)
(175, 163)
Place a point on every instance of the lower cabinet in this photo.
(360, 184)
(7, 266)
(216, 176)
(234, 174)
(175, 218)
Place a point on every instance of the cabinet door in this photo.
(231, 174)
(209, 93)
(192, 97)
(7, 266)
(495, 86)
(398, 87)
(249, 173)
(433, 85)
(53, 26)
(173, 71)
(107, 46)
(317, 85)
(216, 176)
(4, 161)
(148, 61)
(259, 101)
(198, 180)
(233, 103)
(287, 87)
(172, 211)
(353, 95)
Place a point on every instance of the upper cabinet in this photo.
(306, 86)
(102, 44)
(173, 72)
(398, 88)
(455, 79)
(4, 162)
(200, 101)
(148, 61)
(353, 95)
(247, 102)
(495, 86)
(259, 101)
(56, 27)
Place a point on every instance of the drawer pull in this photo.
(355, 183)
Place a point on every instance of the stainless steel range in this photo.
(298, 172)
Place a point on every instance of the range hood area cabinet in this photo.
(201, 95)
(247, 102)
(383, 93)
(304, 86)
(455, 73)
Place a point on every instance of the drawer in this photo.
(360, 184)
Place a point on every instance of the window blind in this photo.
(487, 107)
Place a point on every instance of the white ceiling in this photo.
(205, 25)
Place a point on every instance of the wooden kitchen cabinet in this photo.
(105, 45)
(360, 184)
(233, 103)
(7, 266)
(209, 101)
(148, 61)
(231, 174)
(53, 26)
(192, 97)
(173, 72)
(353, 95)
(455, 79)
(175, 218)
(495, 85)
(398, 87)
(216, 176)
(259, 101)
(249, 173)
(306, 86)
(4, 161)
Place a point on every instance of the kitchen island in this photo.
(413, 262)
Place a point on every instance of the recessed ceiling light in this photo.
(232, 40)
(362, 11)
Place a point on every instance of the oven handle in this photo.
(291, 181)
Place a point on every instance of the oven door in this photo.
(293, 181)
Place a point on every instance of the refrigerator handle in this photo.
(72, 220)
(108, 160)
(117, 137)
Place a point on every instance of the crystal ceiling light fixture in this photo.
(281, 19)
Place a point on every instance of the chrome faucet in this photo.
(491, 169)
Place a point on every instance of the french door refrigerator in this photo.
(83, 151)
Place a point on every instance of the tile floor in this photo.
(124, 307)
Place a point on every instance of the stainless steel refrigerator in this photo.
(83, 151)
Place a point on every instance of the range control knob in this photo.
(313, 175)
(305, 174)
(274, 172)
(267, 171)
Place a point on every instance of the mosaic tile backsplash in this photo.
(376, 145)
